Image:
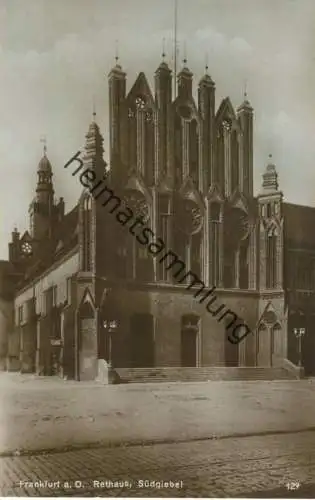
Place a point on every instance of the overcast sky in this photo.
(55, 56)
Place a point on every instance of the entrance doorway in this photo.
(231, 351)
(189, 336)
(141, 341)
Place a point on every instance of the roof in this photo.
(299, 225)
(44, 165)
(63, 240)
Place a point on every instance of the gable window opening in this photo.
(271, 260)
(20, 314)
(87, 219)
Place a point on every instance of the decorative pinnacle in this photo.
(94, 112)
(163, 51)
(116, 52)
(245, 89)
(206, 64)
(44, 141)
(185, 54)
(270, 156)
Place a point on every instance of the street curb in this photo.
(148, 442)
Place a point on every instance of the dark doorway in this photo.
(55, 360)
(189, 336)
(230, 349)
(141, 341)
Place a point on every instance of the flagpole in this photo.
(175, 48)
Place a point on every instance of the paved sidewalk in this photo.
(42, 413)
(253, 466)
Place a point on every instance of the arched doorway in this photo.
(142, 341)
(231, 351)
(189, 340)
(263, 346)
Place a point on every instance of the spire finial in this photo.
(116, 52)
(175, 45)
(43, 139)
(206, 63)
(94, 112)
(163, 50)
(245, 89)
(270, 156)
(185, 54)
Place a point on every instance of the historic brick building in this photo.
(85, 290)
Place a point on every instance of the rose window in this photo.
(140, 103)
(236, 225)
(191, 217)
(26, 248)
(137, 203)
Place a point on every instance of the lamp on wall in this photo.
(299, 333)
(110, 326)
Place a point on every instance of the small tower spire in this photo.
(163, 50)
(206, 63)
(43, 139)
(175, 46)
(270, 177)
(116, 53)
(94, 111)
(185, 54)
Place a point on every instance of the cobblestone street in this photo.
(49, 413)
(203, 439)
(225, 467)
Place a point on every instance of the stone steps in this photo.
(177, 374)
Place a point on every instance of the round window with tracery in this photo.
(26, 248)
(190, 217)
(137, 203)
(140, 103)
(236, 224)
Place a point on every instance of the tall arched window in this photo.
(149, 146)
(219, 166)
(164, 211)
(132, 137)
(193, 151)
(271, 271)
(87, 222)
(243, 268)
(178, 148)
(195, 254)
(215, 217)
(234, 162)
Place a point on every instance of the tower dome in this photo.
(44, 165)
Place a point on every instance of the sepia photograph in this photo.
(157, 255)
